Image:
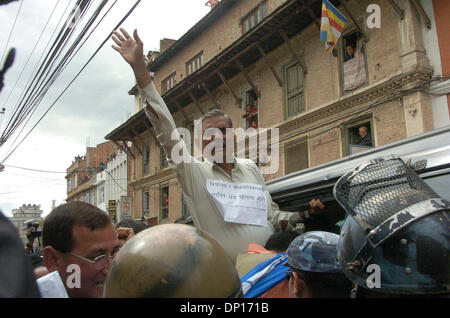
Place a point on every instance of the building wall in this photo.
(23, 214)
(436, 41)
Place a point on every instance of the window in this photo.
(164, 203)
(254, 17)
(195, 63)
(101, 195)
(250, 109)
(357, 137)
(294, 89)
(75, 180)
(296, 156)
(189, 125)
(164, 163)
(146, 203)
(145, 160)
(169, 82)
(185, 209)
(354, 70)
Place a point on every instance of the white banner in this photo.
(242, 203)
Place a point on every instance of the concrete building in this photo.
(83, 168)
(25, 213)
(266, 58)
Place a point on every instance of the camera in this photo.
(34, 226)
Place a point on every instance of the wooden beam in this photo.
(247, 77)
(196, 102)
(211, 97)
(261, 51)
(128, 149)
(181, 110)
(149, 129)
(139, 137)
(117, 144)
(422, 13)
(354, 21)
(310, 12)
(224, 80)
(134, 144)
(397, 9)
(288, 42)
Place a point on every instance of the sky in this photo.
(95, 104)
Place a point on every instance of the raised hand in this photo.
(130, 49)
(132, 52)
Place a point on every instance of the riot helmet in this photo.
(396, 226)
(172, 261)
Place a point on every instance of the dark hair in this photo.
(137, 226)
(58, 225)
(280, 241)
(326, 285)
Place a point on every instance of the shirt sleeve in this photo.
(274, 214)
(168, 136)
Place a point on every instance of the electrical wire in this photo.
(76, 76)
(116, 181)
(12, 29)
(46, 171)
(37, 92)
(31, 54)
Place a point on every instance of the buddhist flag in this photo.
(331, 26)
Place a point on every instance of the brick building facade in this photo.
(267, 55)
(83, 168)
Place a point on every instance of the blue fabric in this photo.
(270, 279)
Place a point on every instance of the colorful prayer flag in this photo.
(332, 25)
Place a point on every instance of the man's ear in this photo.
(299, 285)
(52, 259)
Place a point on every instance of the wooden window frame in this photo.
(352, 124)
(286, 85)
(146, 163)
(192, 66)
(161, 161)
(244, 92)
(341, 49)
(145, 212)
(257, 11)
(162, 206)
(169, 82)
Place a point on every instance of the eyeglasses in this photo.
(288, 273)
(99, 262)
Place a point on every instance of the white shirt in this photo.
(193, 176)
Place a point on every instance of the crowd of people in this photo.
(377, 251)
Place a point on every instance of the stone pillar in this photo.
(417, 105)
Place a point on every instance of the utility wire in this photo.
(15, 118)
(46, 171)
(76, 76)
(116, 181)
(10, 33)
(45, 68)
(31, 54)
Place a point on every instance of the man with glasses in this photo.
(80, 243)
(314, 269)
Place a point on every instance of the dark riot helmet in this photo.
(397, 222)
(172, 261)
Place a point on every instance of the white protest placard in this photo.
(51, 286)
(242, 203)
